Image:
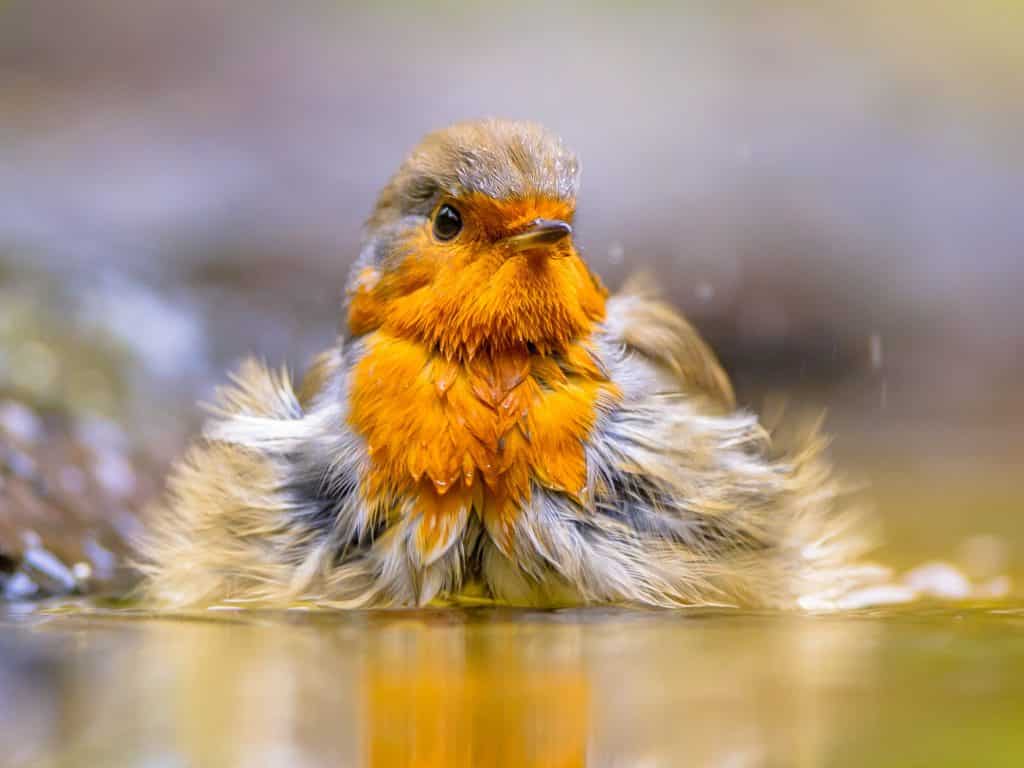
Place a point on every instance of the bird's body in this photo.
(494, 424)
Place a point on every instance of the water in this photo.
(927, 685)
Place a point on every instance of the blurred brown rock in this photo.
(70, 495)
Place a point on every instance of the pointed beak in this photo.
(540, 233)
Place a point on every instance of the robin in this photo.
(494, 425)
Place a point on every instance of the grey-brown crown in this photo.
(503, 159)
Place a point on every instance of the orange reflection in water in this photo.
(435, 700)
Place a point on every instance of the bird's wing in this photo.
(641, 322)
(319, 375)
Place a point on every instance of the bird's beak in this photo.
(541, 232)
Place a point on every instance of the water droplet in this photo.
(876, 351)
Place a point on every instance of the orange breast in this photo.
(459, 438)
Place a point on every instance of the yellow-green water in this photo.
(926, 685)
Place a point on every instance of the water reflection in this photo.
(483, 688)
(506, 696)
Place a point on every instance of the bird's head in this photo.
(470, 249)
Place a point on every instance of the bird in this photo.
(493, 425)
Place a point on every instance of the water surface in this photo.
(927, 685)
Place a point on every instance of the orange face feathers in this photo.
(481, 290)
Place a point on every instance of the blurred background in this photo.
(831, 191)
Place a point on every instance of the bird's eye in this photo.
(447, 222)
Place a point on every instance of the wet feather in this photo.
(497, 423)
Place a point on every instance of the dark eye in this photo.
(447, 222)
